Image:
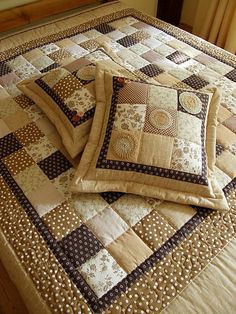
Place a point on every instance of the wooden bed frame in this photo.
(25, 14)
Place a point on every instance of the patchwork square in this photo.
(54, 165)
(90, 45)
(151, 70)
(129, 117)
(104, 28)
(154, 230)
(178, 57)
(29, 134)
(51, 198)
(102, 272)
(101, 226)
(40, 149)
(129, 250)
(231, 75)
(49, 48)
(31, 178)
(134, 93)
(189, 127)
(4, 130)
(18, 161)
(9, 79)
(161, 121)
(127, 41)
(80, 245)
(195, 82)
(219, 149)
(23, 101)
(87, 205)
(4, 68)
(132, 208)
(76, 51)
(50, 67)
(231, 123)
(70, 82)
(62, 220)
(59, 55)
(9, 144)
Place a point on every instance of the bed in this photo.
(54, 244)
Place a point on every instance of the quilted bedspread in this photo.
(110, 252)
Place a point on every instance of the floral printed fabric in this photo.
(102, 272)
(130, 117)
(187, 157)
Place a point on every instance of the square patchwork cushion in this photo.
(67, 96)
(152, 140)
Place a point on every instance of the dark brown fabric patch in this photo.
(104, 28)
(4, 69)
(195, 82)
(151, 70)
(23, 101)
(127, 41)
(80, 245)
(231, 75)
(8, 145)
(178, 57)
(54, 165)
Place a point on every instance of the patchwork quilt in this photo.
(110, 252)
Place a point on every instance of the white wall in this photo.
(146, 6)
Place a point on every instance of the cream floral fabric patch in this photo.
(152, 140)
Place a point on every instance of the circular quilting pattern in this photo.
(87, 73)
(124, 145)
(190, 102)
(160, 119)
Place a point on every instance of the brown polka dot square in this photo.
(18, 161)
(54, 165)
(66, 86)
(62, 220)
(133, 93)
(154, 230)
(29, 134)
(23, 101)
(80, 245)
(90, 45)
(59, 55)
(140, 35)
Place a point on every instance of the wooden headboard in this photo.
(34, 11)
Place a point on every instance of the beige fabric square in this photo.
(51, 198)
(129, 251)
(227, 162)
(4, 129)
(176, 215)
(101, 225)
(17, 120)
(156, 157)
(110, 161)
(224, 135)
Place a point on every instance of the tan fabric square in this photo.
(101, 225)
(167, 79)
(59, 55)
(64, 43)
(176, 215)
(33, 54)
(223, 114)
(18, 161)
(45, 125)
(4, 129)
(224, 135)
(158, 157)
(29, 134)
(66, 86)
(227, 163)
(154, 230)
(8, 107)
(129, 250)
(17, 120)
(45, 198)
(62, 220)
